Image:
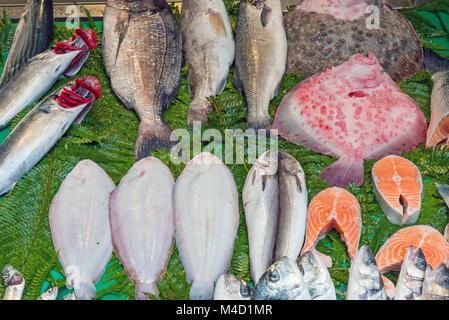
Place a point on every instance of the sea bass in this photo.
(260, 198)
(14, 283)
(42, 71)
(436, 283)
(260, 57)
(208, 44)
(79, 226)
(229, 287)
(142, 53)
(325, 33)
(353, 111)
(411, 277)
(142, 223)
(206, 220)
(42, 128)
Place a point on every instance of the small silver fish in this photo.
(436, 283)
(50, 294)
(229, 287)
(411, 277)
(14, 283)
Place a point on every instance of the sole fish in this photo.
(435, 286)
(142, 223)
(14, 283)
(333, 208)
(399, 189)
(79, 223)
(411, 276)
(229, 287)
(206, 220)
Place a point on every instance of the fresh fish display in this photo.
(260, 57)
(411, 277)
(14, 283)
(79, 226)
(365, 281)
(438, 131)
(399, 189)
(325, 33)
(317, 277)
(353, 111)
(41, 72)
(436, 283)
(23, 148)
(291, 228)
(443, 190)
(333, 208)
(50, 294)
(282, 281)
(33, 35)
(206, 220)
(208, 44)
(142, 53)
(142, 223)
(229, 287)
(260, 198)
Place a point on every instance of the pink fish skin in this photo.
(354, 111)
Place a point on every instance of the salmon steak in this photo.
(333, 208)
(354, 111)
(399, 189)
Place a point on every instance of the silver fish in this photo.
(229, 287)
(208, 44)
(260, 57)
(70, 296)
(14, 283)
(365, 281)
(42, 128)
(282, 281)
(443, 190)
(261, 204)
(436, 283)
(411, 277)
(42, 71)
(142, 53)
(317, 277)
(50, 294)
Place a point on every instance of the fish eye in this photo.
(244, 291)
(274, 276)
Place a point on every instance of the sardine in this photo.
(411, 277)
(229, 287)
(79, 226)
(260, 57)
(142, 53)
(208, 44)
(436, 283)
(206, 220)
(14, 283)
(42, 71)
(142, 223)
(50, 294)
(42, 128)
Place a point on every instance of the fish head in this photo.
(267, 164)
(230, 286)
(365, 263)
(11, 276)
(437, 281)
(362, 72)
(309, 265)
(289, 166)
(415, 263)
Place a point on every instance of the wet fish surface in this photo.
(443, 190)
(50, 294)
(14, 283)
(229, 287)
(411, 277)
(436, 283)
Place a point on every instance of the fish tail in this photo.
(201, 291)
(343, 172)
(152, 136)
(84, 290)
(143, 289)
(259, 122)
(198, 110)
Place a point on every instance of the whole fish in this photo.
(208, 44)
(229, 287)
(317, 277)
(14, 283)
(260, 57)
(142, 53)
(206, 220)
(261, 204)
(42, 71)
(291, 228)
(33, 35)
(50, 294)
(142, 223)
(436, 283)
(42, 128)
(282, 281)
(79, 226)
(411, 277)
(365, 281)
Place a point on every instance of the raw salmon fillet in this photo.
(398, 188)
(329, 209)
(354, 111)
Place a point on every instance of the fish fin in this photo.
(201, 291)
(389, 287)
(278, 89)
(143, 289)
(259, 122)
(198, 110)
(443, 190)
(221, 85)
(265, 15)
(121, 27)
(343, 172)
(327, 261)
(434, 63)
(83, 114)
(84, 290)
(217, 24)
(236, 82)
(152, 136)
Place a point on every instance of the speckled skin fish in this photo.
(79, 223)
(50, 294)
(142, 53)
(14, 283)
(206, 220)
(317, 277)
(208, 44)
(282, 281)
(142, 223)
(42, 127)
(260, 57)
(411, 277)
(229, 287)
(33, 35)
(436, 283)
(261, 204)
(325, 33)
(291, 228)
(365, 281)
